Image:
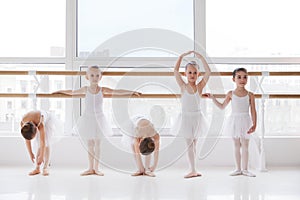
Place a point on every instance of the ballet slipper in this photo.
(87, 173)
(45, 172)
(151, 174)
(236, 173)
(247, 173)
(34, 172)
(192, 175)
(137, 174)
(98, 173)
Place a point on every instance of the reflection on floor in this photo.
(215, 184)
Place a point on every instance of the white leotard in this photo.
(93, 123)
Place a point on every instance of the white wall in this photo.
(70, 152)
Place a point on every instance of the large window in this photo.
(254, 28)
(32, 28)
(53, 35)
(15, 108)
(281, 115)
(115, 27)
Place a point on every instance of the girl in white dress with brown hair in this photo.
(93, 125)
(192, 123)
(240, 124)
(39, 126)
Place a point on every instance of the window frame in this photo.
(73, 62)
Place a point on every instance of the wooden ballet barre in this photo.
(40, 95)
(150, 96)
(64, 73)
(82, 73)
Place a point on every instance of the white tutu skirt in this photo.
(128, 131)
(237, 125)
(52, 127)
(127, 142)
(94, 126)
(190, 125)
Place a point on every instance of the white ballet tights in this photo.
(191, 144)
(238, 144)
(94, 154)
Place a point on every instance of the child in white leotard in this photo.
(92, 125)
(240, 124)
(192, 122)
(39, 126)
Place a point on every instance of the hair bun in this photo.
(28, 130)
(26, 127)
(151, 145)
(147, 146)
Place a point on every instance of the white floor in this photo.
(216, 184)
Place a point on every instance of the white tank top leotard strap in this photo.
(42, 118)
(93, 102)
(190, 102)
(240, 105)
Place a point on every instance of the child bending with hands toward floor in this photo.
(143, 140)
(39, 126)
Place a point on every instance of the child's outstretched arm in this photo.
(219, 104)
(207, 73)
(177, 74)
(156, 152)
(119, 92)
(71, 92)
(253, 113)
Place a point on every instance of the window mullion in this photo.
(199, 26)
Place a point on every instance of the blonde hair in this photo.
(193, 64)
(93, 67)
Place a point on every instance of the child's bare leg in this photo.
(97, 158)
(37, 168)
(47, 161)
(147, 166)
(91, 154)
(191, 143)
(147, 161)
(139, 172)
